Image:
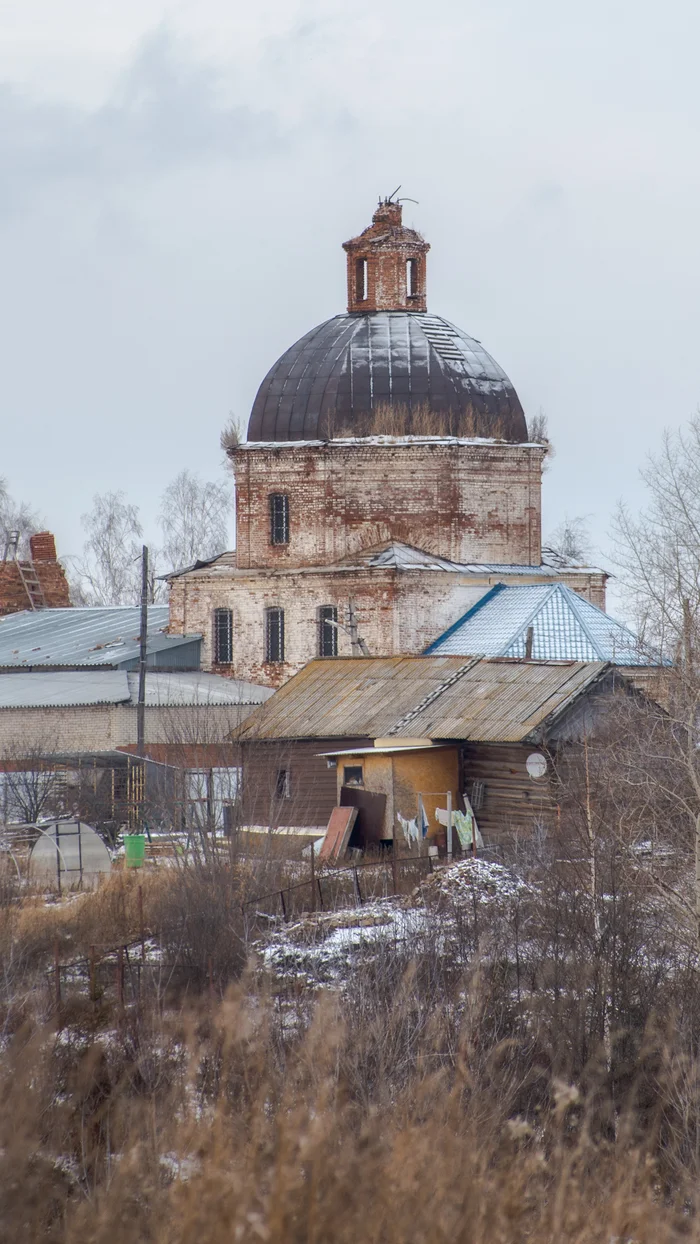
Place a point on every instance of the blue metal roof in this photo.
(106, 635)
(565, 626)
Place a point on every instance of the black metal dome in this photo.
(393, 372)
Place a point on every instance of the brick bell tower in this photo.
(386, 265)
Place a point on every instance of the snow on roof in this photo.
(565, 626)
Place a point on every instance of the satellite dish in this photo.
(536, 765)
(69, 853)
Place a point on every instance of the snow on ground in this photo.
(321, 949)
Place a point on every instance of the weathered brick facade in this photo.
(467, 501)
(54, 592)
(379, 278)
(470, 503)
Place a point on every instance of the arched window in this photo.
(223, 637)
(279, 518)
(412, 281)
(361, 280)
(274, 634)
(327, 632)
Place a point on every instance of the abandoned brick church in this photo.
(386, 483)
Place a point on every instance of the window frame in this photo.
(219, 613)
(412, 277)
(353, 781)
(283, 784)
(326, 632)
(361, 280)
(279, 518)
(274, 612)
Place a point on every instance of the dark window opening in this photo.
(412, 282)
(352, 775)
(279, 518)
(361, 281)
(223, 637)
(283, 784)
(274, 634)
(327, 632)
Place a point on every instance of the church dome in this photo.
(387, 366)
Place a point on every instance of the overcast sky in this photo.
(177, 180)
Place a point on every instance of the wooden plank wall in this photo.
(513, 800)
(312, 785)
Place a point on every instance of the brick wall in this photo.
(465, 501)
(105, 727)
(397, 611)
(386, 246)
(50, 572)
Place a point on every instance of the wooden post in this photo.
(57, 975)
(143, 641)
(395, 864)
(313, 875)
(357, 888)
(449, 827)
(284, 905)
(320, 893)
(143, 934)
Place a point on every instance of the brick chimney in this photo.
(387, 264)
(42, 547)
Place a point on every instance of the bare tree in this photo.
(570, 541)
(193, 519)
(658, 552)
(16, 516)
(110, 567)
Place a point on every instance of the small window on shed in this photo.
(361, 280)
(327, 632)
(352, 775)
(412, 282)
(274, 634)
(223, 637)
(283, 784)
(279, 518)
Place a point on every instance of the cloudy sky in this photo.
(177, 178)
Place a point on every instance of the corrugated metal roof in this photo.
(92, 636)
(566, 627)
(63, 689)
(73, 688)
(168, 689)
(439, 697)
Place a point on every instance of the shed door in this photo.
(371, 809)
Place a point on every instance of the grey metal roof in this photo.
(73, 688)
(437, 697)
(180, 687)
(83, 637)
(340, 372)
(63, 688)
(565, 627)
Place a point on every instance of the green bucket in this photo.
(135, 847)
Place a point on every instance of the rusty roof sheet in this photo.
(439, 697)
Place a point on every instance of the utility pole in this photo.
(358, 645)
(141, 702)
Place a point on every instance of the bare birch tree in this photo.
(658, 554)
(110, 567)
(194, 519)
(16, 516)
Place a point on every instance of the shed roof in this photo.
(76, 688)
(438, 697)
(565, 627)
(63, 688)
(104, 635)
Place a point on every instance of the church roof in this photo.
(358, 374)
(565, 627)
